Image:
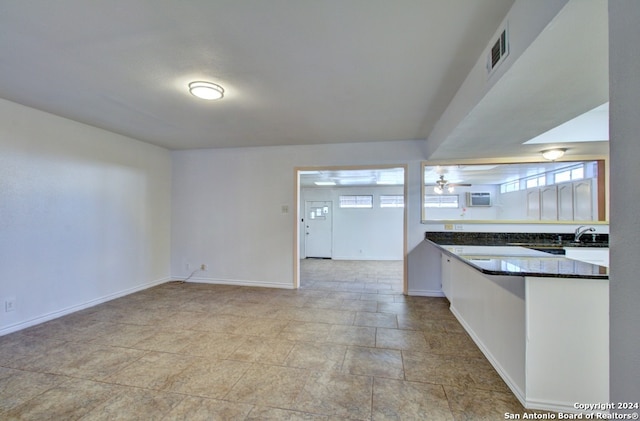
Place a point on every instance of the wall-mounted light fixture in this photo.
(553, 154)
(206, 90)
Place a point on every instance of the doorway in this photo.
(393, 177)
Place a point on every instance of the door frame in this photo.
(297, 214)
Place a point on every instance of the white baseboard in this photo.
(72, 309)
(426, 292)
(238, 282)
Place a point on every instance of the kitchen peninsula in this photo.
(541, 319)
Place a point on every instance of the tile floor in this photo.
(346, 346)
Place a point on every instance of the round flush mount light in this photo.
(553, 154)
(206, 90)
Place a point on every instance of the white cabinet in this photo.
(567, 342)
(565, 202)
(583, 201)
(549, 203)
(533, 204)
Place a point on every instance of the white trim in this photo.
(238, 282)
(72, 309)
(426, 292)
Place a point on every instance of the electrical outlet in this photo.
(204, 267)
(10, 304)
(187, 266)
(448, 226)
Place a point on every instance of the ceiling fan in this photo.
(442, 184)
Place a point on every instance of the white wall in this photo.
(84, 215)
(624, 85)
(227, 206)
(362, 234)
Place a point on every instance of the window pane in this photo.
(391, 201)
(441, 201)
(356, 201)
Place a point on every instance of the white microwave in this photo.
(478, 199)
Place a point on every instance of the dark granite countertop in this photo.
(514, 255)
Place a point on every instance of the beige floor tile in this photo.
(209, 378)
(452, 344)
(416, 322)
(203, 409)
(360, 305)
(224, 323)
(305, 331)
(452, 370)
(131, 403)
(122, 334)
(376, 319)
(263, 350)
(18, 346)
(400, 339)
(269, 385)
(261, 413)
(373, 362)
(71, 399)
(316, 356)
(83, 360)
(477, 405)
(213, 344)
(261, 327)
(352, 335)
(155, 370)
(166, 341)
(402, 400)
(17, 386)
(337, 395)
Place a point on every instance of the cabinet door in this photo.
(582, 201)
(565, 202)
(533, 204)
(549, 203)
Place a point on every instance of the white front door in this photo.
(318, 229)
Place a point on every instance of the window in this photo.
(441, 201)
(510, 186)
(391, 201)
(356, 201)
(537, 181)
(574, 173)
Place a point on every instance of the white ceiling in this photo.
(294, 71)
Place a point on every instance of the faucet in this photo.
(580, 231)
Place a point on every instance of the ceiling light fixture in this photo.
(553, 154)
(206, 90)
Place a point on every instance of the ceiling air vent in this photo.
(498, 52)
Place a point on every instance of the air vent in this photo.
(498, 52)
